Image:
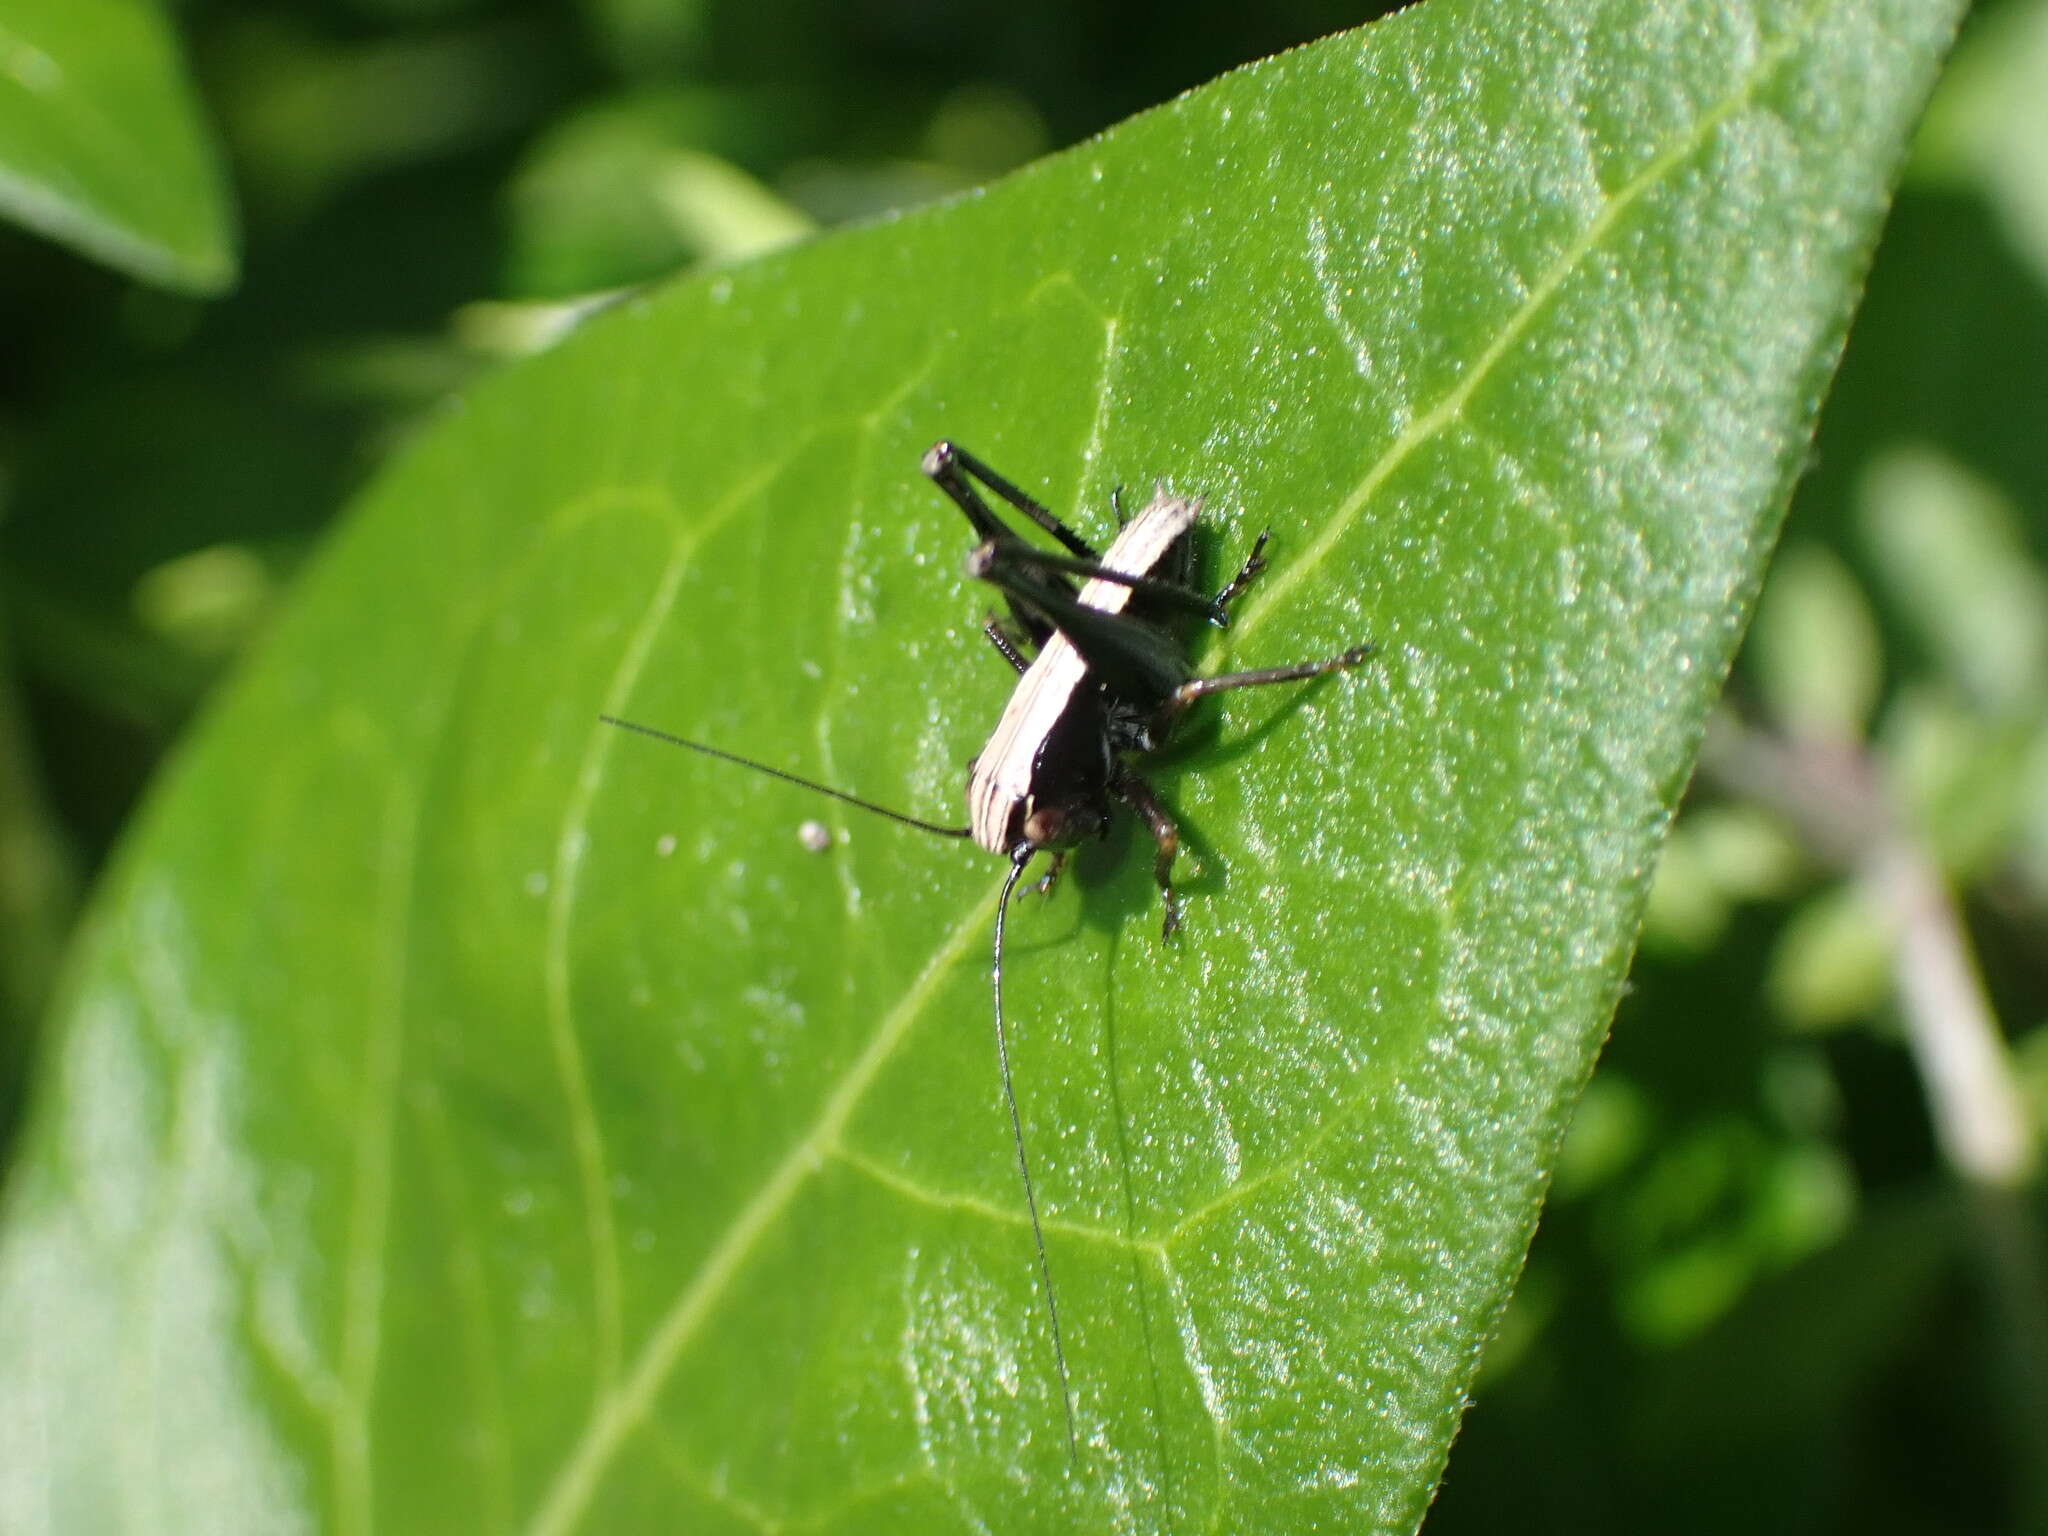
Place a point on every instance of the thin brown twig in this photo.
(1833, 795)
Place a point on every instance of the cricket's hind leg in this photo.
(1006, 562)
(1169, 586)
(949, 466)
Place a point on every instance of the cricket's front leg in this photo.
(1137, 794)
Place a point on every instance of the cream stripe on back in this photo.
(1002, 774)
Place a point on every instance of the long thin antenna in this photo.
(1052, 1306)
(787, 778)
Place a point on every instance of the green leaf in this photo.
(1954, 553)
(102, 145)
(467, 1117)
(636, 187)
(1818, 655)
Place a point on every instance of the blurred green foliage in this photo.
(1763, 1295)
(102, 145)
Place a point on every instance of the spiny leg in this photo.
(1006, 645)
(1137, 794)
(1057, 861)
(948, 465)
(1200, 687)
(1129, 657)
(1254, 566)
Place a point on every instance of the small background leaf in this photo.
(102, 145)
(468, 1118)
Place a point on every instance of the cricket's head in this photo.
(1039, 823)
(1056, 824)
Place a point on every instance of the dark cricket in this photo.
(1102, 677)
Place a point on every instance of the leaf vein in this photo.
(616, 1418)
(942, 1200)
(1271, 595)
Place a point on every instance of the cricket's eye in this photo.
(1045, 826)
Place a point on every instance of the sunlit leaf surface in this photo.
(469, 1118)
